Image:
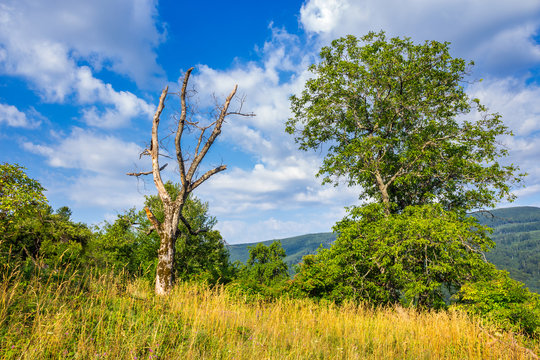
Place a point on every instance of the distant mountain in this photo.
(295, 247)
(516, 231)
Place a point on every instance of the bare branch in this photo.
(190, 230)
(152, 218)
(180, 129)
(154, 149)
(240, 114)
(146, 172)
(199, 141)
(212, 138)
(206, 175)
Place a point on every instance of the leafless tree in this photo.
(188, 164)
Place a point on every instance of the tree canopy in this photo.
(19, 194)
(398, 122)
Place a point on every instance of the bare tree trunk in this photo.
(165, 266)
(168, 228)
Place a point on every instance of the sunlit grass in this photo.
(108, 317)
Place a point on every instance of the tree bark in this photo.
(165, 266)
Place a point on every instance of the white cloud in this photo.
(89, 151)
(46, 42)
(496, 34)
(125, 105)
(101, 162)
(516, 101)
(10, 115)
(119, 35)
(110, 192)
(322, 16)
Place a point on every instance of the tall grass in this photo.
(65, 315)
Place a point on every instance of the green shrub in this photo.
(505, 301)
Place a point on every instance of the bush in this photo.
(408, 258)
(502, 300)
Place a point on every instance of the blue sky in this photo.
(80, 80)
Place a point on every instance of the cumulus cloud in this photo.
(101, 161)
(516, 101)
(89, 151)
(498, 35)
(55, 45)
(118, 35)
(122, 105)
(11, 116)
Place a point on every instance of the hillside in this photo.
(112, 316)
(295, 247)
(516, 231)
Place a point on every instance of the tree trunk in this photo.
(165, 266)
(383, 189)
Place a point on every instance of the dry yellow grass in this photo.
(108, 317)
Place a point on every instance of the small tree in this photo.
(31, 233)
(19, 195)
(265, 271)
(129, 242)
(167, 228)
(392, 113)
(505, 301)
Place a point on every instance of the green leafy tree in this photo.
(20, 195)
(31, 232)
(265, 272)
(397, 121)
(407, 258)
(130, 242)
(505, 301)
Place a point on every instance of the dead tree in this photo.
(168, 229)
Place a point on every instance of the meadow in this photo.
(67, 315)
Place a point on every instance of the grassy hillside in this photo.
(110, 317)
(516, 233)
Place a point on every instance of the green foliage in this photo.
(407, 258)
(502, 300)
(393, 116)
(124, 244)
(32, 234)
(130, 243)
(265, 272)
(20, 196)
